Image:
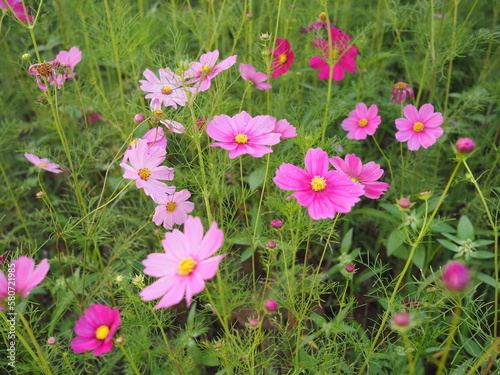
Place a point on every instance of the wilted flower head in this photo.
(399, 92)
(465, 145)
(420, 128)
(282, 57)
(44, 164)
(456, 276)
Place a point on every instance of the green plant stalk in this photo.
(129, 358)
(41, 356)
(495, 236)
(388, 164)
(407, 265)
(450, 64)
(454, 325)
(167, 344)
(432, 46)
(411, 367)
(492, 349)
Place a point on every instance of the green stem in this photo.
(129, 358)
(41, 357)
(393, 181)
(408, 347)
(454, 325)
(167, 344)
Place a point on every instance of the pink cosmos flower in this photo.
(420, 128)
(95, 329)
(94, 117)
(249, 74)
(399, 92)
(242, 134)
(285, 130)
(203, 71)
(57, 71)
(184, 266)
(337, 58)
(173, 209)
(154, 137)
(323, 192)
(367, 175)
(362, 121)
(282, 57)
(44, 164)
(173, 126)
(316, 26)
(145, 169)
(456, 276)
(25, 276)
(168, 89)
(18, 9)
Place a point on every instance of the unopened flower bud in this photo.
(264, 36)
(249, 15)
(425, 195)
(218, 345)
(253, 322)
(271, 244)
(465, 145)
(119, 279)
(401, 319)
(271, 305)
(350, 268)
(51, 340)
(139, 118)
(404, 203)
(456, 276)
(40, 194)
(25, 56)
(276, 224)
(119, 340)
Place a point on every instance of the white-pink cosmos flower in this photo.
(248, 73)
(168, 89)
(173, 209)
(44, 164)
(185, 265)
(145, 169)
(421, 127)
(203, 71)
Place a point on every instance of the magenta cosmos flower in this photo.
(95, 329)
(399, 92)
(145, 169)
(173, 209)
(257, 79)
(323, 192)
(185, 265)
(367, 175)
(336, 58)
(203, 71)
(25, 277)
(420, 128)
(18, 9)
(44, 164)
(285, 129)
(282, 57)
(243, 134)
(456, 276)
(168, 89)
(362, 121)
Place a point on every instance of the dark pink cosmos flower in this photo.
(249, 74)
(18, 9)
(95, 329)
(366, 174)
(420, 128)
(456, 276)
(203, 71)
(336, 58)
(282, 57)
(362, 122)
(323, 192)
(167, 90)
(94, 117)
(399, 92)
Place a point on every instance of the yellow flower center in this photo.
(133, 143)
(241, 138)
(418, 127)
(186, 266)
(318, 183)
(102, 332)
(42, 164)
(282, 58)
(158, 112)
(171, 206)
(206, 69)
(144, 173)
(166, 90)
(333, 58)
(363, 122)
(355, 179)
(400, 86)
(322, 17)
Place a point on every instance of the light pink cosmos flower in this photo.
(167, 90)
(367, 174)
(18, 9)
(282, 57)
(154, 137)
(285, 129)
(185, 265)
(248, 73)
(145, 169)
(203, 71)
(242, 134)
(323, 192)
(420, 128)
(55, 72)
(44, 164)
(173, 209)
(362, 122)
(26, 277)
(173, 126)
(95, 329)
(338, 57)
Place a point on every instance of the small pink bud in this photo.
(424, 195)
(271, 244)
(350, 268)
(271, 305)
(401, 319)
(139, 118)
(253, 322)
(404, 202)
(249, 15)
(40, 194)
(264, 36)
(119, 340)
(51, 340)
(456, 276)
(465, 145)
(276, 224)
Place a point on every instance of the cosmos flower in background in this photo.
(323, 192)
(318, 25)
(95, 329)
(18, 9)
(367, 174)
(44, 164)
(362, 122)
(285, 129)
(154, 138)
(173, 209)
(249, 74)
(399, 92)
(420, 128)
(173, 126)
(185, 265)
(168, 89)
(202, 72)
(282, 57)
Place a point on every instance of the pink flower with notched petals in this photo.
(285, 129)
(44, 164)
(203, 71)
(154, 138)
(420, 128)
(367, 174)
(249, 74)
(19, 10)
(362, 121)
(173, 209)
(145, 169)
(282, 57)
(185, 265)
(242, 134)
(168, 89)
(95, 329)
(25, 277)
(336, 58)
(323, 192)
